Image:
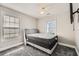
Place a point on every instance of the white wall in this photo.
(64, 27)
(27, 22)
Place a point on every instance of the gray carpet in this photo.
(31, 51)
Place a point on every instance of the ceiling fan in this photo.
(44, 11)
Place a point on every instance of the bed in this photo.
(43, 41)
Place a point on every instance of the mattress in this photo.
(42, 35)
(46, 40)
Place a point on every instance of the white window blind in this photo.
(11, 27)
(51, 26)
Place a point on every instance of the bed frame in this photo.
(48, 51)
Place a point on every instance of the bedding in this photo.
(30, 31)
(42, 35)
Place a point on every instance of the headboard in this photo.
(31, 31)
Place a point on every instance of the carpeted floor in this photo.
(31, 51)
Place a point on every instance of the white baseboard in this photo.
(13, 51)
(71, 46)
(2, 49)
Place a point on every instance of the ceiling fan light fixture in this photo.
(42, 12)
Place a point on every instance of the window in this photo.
(51, 27)
(11, 27)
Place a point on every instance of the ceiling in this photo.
(34, 9)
